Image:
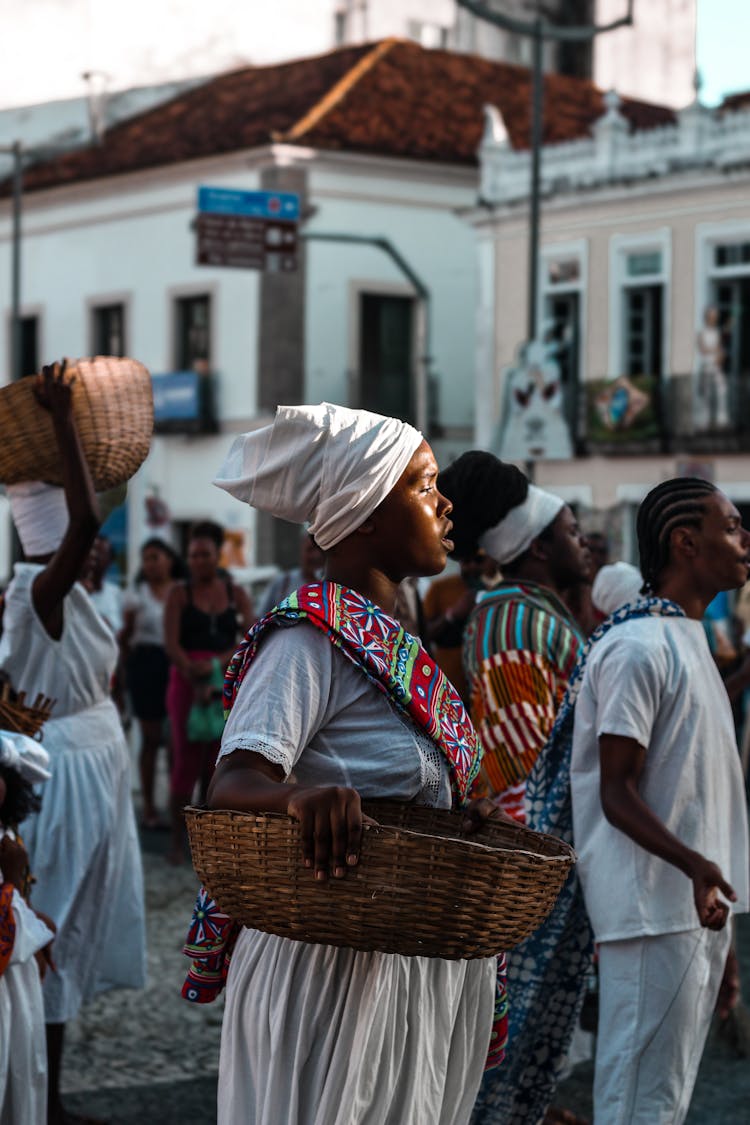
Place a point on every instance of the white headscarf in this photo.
(325, 465)
(24, 755)
(515, 533)
(615, 585)
(40, 514)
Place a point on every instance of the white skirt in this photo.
(84, 853)
(23, 1048)
(314, 1035)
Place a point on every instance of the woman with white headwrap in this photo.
(25, 941)
(316, 1035)
(82, 845)
(520, 648)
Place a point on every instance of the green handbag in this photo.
(206, 720)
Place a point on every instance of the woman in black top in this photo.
(203, 619)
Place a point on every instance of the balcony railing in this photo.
(669, 414)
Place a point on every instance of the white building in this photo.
(378, 140)
(645, 247)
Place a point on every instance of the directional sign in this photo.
(282, 205)
(251, 230)
(241, 243)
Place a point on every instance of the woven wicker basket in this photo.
(114, 411)
(421, 888)
(17, 715)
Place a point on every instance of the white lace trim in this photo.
(432, 763)
(267, 750)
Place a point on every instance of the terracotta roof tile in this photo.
(391, 98)
(732, 102)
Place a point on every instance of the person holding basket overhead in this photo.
(324, 713)
(82, 845)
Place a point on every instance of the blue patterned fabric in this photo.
(547, 973)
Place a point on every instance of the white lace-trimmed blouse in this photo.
(304, 706)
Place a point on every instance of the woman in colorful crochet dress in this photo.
(521, 646)
(322, 713)
(83, 847)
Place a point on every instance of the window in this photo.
(642, 264)
(725, 284)
(386, 355)
(732, 254)
(29, 357)
(563, 271)
(428, 34)
(561, 313)
(643, 323)
(639, 279)
(193, 333)
(109, 330)
(340, 26)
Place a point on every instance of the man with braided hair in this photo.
(659, 814)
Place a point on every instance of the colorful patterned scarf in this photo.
(396, 664)
(7, 925)
(548, 972)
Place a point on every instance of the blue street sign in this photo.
(176, 396)
(279, 205)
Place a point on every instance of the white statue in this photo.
(710, 401)
(533, 425)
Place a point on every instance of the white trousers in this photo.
(656, 1000)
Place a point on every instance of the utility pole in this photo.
(16, 151)
(539, 30)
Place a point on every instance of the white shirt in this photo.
(653, 680)
(306, 707)
(148, 615)
(108, 604)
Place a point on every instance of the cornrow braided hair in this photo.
(679, 502)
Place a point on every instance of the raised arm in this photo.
(621, 761)
(245, 618)
(63, 569)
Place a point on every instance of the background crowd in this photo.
(511, 628)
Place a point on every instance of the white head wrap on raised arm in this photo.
(24, 755)
(325, 465)
(516, 532)
(40, 513)
(615, 585)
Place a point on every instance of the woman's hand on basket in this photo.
(331, 820)
(479, 810)
(53, 389)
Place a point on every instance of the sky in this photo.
(49, 43)
(723, 47)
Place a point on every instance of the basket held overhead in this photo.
(114, 411)
(422, 887)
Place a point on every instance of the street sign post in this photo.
(247, 229)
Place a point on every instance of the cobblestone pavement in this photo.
(151, 1058)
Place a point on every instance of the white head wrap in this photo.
(515, 533)
(615, 585)
(325, 465)
(40, 514)
(24, 755)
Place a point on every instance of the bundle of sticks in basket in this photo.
(17, 715)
